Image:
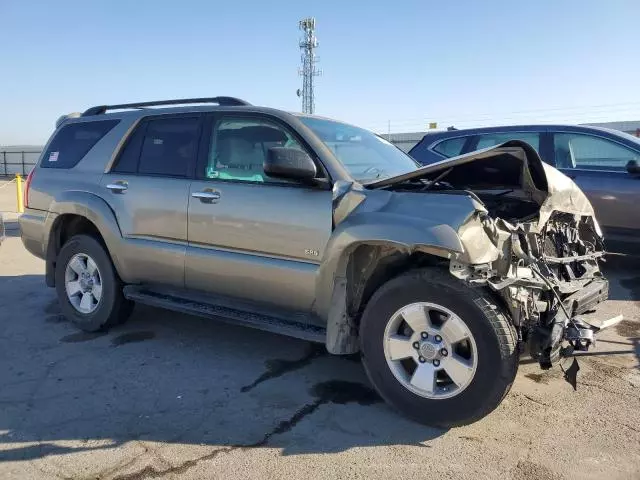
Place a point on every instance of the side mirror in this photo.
(290, 164)
(633, 167)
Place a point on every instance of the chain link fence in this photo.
(14, 161)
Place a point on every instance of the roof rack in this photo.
(223, 101)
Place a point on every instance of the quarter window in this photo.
(239, 149)
(451, 148)
(574, 150)
(73, 142)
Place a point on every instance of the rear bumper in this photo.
(32, 228)
(587, 298)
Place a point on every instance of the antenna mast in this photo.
(308, 44)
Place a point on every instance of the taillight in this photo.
(27, 184)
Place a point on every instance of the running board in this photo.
(276, 324)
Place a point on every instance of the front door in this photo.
(148, 189)
(598, 166)
(251, 236)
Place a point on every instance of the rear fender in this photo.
(98, 212)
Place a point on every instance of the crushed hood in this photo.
(511, 165)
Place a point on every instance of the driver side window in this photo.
(239, 149)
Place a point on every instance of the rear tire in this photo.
(84, 269)
(479, 337)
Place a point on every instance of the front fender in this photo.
(378, 228)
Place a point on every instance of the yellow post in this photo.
(19, 197)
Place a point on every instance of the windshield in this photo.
(366, 156)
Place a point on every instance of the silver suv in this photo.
(323, 231)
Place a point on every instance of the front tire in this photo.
(89, 290)
(440, 352)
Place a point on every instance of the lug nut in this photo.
(436, 363)
(422, 359)
(416, 345)
(438, 338)
(444, 352)
(424, 335)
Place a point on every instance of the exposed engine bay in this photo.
(533, 240)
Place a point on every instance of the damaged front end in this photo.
(544, 260)
(533, 240)
(548, 277)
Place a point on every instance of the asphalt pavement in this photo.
(172, 396)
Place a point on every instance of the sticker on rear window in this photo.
(53, 156)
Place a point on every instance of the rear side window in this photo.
(73, 141)
(165, 147)
(451, 148)
(128, 160)
(493, 139)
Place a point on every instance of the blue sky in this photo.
(408, 62)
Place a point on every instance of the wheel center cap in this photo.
(428, 350)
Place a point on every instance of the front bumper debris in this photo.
(581, 334)
(548, 277)
(588, 297)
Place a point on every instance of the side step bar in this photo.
(283, 326)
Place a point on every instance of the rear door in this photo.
(539, 138)
(148, 189)
(251, 236)
(598, 165)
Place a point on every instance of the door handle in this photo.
(206, 196)
(118, 187)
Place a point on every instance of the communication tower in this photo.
(308, 44)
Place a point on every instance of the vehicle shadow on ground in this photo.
(176, 379)
(622, 272)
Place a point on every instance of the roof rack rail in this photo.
(223, 101)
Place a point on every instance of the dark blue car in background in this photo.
(603, 162)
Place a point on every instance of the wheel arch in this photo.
(76, 213)
(361, 258)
